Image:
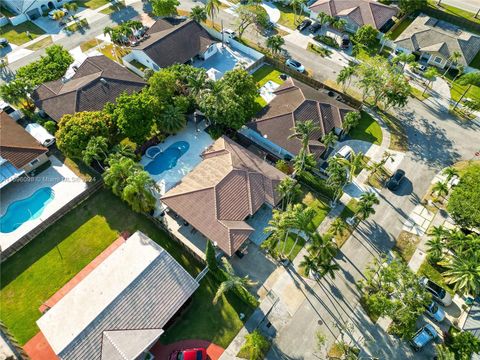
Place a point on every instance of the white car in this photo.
(435, 312)
(295, 65)
(51, 14)
(345, 152)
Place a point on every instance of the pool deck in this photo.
(65, 184)
(198, 140)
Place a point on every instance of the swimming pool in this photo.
(168, 158)
(21, 211)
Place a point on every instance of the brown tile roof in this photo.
(86, 91)
(175, 44)
(296, 102)
(17, 145)
(230, 184)
(361, 12)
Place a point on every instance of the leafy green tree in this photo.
(396, 91)
(231, 282)
(366, 35)
(16, 91)
(51, 66)
(464, 344)
(345, 76)
(409, 6)
(404, 59)
(198, 13)
(212, 7)
(470, 79)
(463, 272)
(50, 126)
(443, 353)
(464, 199)
(210, 257)
(138, 191)
(97, 149)
(246, 16)
(163, 86)
(164, 7)
(350, 121)
(275, 43)
(75, 131)
(338, 23)
(256, 346)
(133, 114)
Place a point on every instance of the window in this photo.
(438, 60)
(33, 162)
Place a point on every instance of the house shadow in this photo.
(123, 14)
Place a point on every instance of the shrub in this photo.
(51, 126)
(327, 40)
(255, 347)
(318, 184)
(463, 203)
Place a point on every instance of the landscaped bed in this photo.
(36, 272)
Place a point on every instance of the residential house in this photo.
(121, 307)
(356, 13)
(435, 41)
(173, 44)
(472, 324)
(32, 8)
(229, 186)
(20, 153)
(296, 102)
(97, 80)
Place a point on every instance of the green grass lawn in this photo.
(287, 17)
(203, 320)
(456, 91)
(420, 94)
(348, 211)
(400, 28)
(321, 208)
(17, 35)
(89, 44)
(41, 44)
(36, 272)
(92, 4)
(261, 76)
(452, 10)
(433, 274)
(367, 130)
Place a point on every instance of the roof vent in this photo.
(103, 81)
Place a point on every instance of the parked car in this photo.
(422, 68)
(229, 32)
(305, 23)
(344, 152)
(345, 41)
(422, 337)
(3, 42)
(295, 65)
(394, 182)
(189, 354)
(439, 294)
(314, 27)
(435, 312)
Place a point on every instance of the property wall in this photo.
(212, 49)
(16, 20)
(236, 45)
(42, 159)
(143, 58)
(126, 61)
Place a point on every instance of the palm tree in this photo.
(58, 14)
(351, 120)
(369, 198)
(116, 175)
(172, 119)
(327, 267)
(198, 13)
(442, 352)
(435, 249)
(277, 232)
(303, 130)
(303, 219)
(329, 139)
(296, 6)
(345, 76)
(196, 83)
(232, 281)
(338, 23)
(440, 188)
(453, 59)
(309, 264)
(97, 149)
(322, 246)
(429, 74)
(275, 43)
(124, 150)
(338, 227)
(386, 37)
(450, 172)
(463, 272)
(287, 189)
(460, 71)
(138, 192)
(323, 18)
(365, 205)
(212, 7)
(470, 79)
(352, 164)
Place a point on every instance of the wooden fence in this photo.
(25, 239)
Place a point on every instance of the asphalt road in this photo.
(469, 5)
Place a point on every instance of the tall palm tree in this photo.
(438, 231)
(277, 232)
(212, 7)
(453, 59)
(172, 119)
(287, 189)
(275, 43)
(351, 120)
(138, 192)
(450, 172)
(369, 198)
(297, 7)
(365, 205)
(97, 149)
(435, 249)
(198, 13)
(309, 264)
(338, 23)
(303, 130)
(196, 83)
(116, 175)
(463, 273)
(124, 150)
(322, 246)
(303, 218)
(345, 76)
(329, 139)
(327, 267)
(338, 227)
(323, 18)
(353, 163)
(232, 281)
(440, 188)
(443, 353)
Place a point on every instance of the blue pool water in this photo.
(21, 211)
(168, 158)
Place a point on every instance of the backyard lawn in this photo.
(17, 35)
(42, 267)
(263, 75)
(367, 130)
(203, 320)
(393, 34)
(456, 91)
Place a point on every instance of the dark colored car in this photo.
(394, 182)
(305, 23)
(3, 42)
(345, 41)
(315, 27)
(189, 354)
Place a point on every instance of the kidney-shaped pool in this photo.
(168, 158)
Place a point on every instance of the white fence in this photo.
(126, 61)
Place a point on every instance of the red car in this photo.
(189, 354)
